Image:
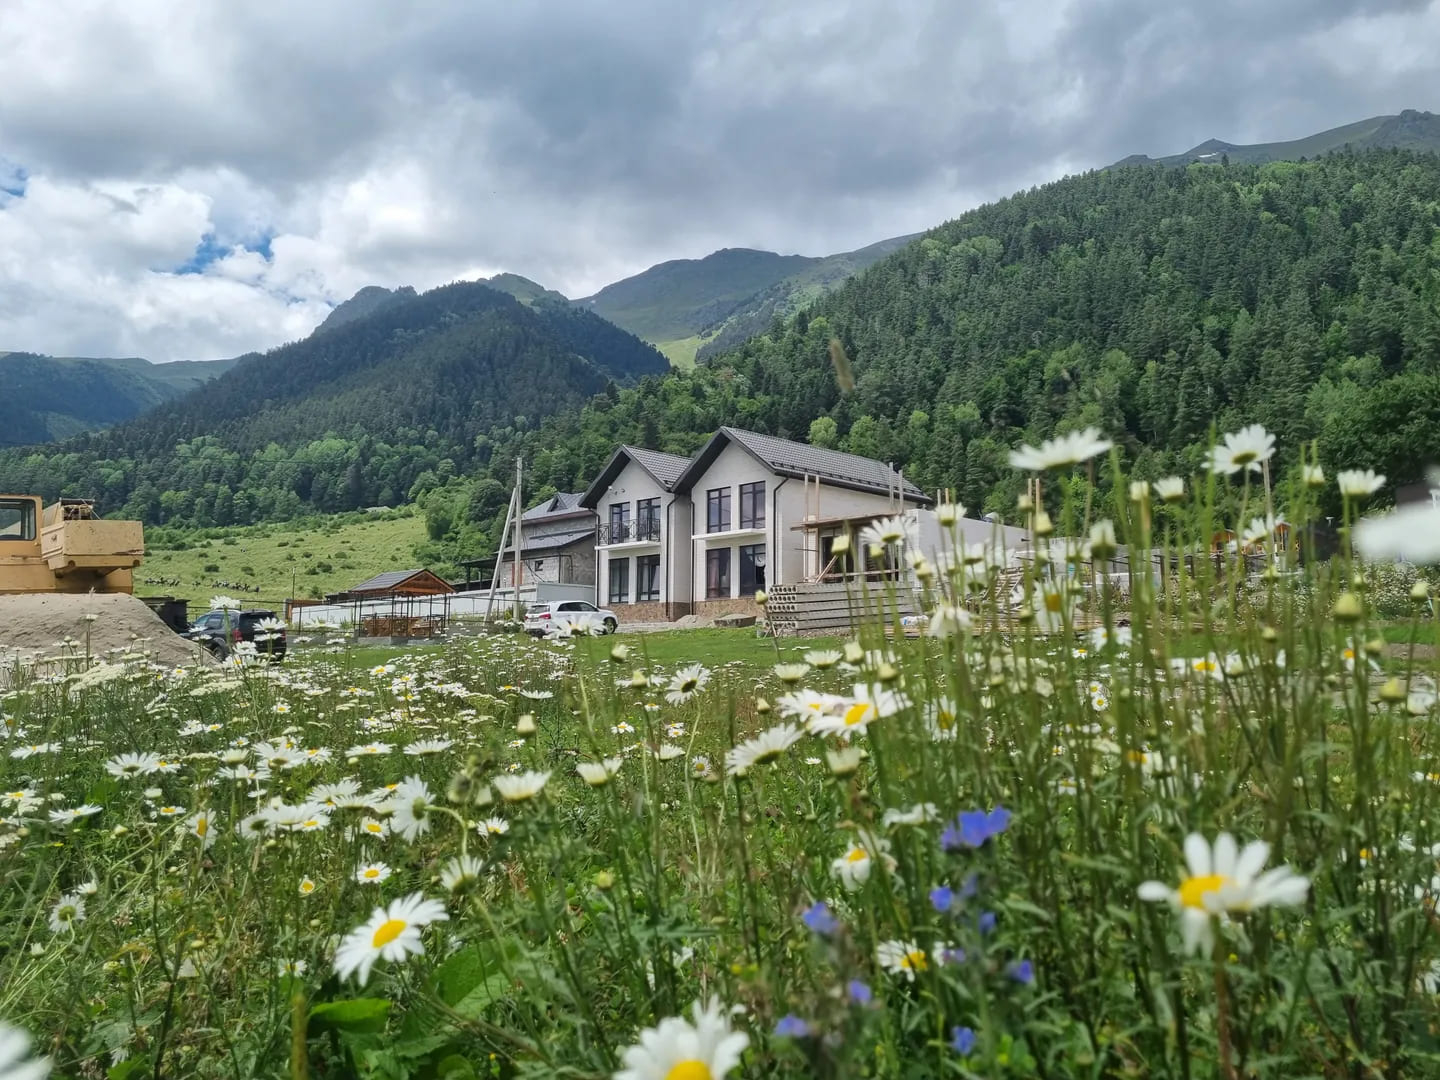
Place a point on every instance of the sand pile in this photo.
(34, 627)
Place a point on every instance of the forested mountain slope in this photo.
(351, 416)
(53, 397)
(1151, 302)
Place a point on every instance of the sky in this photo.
(191, 179)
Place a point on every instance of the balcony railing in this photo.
(629, 532)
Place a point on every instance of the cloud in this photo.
(192, 179)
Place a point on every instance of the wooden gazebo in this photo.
(401, 604)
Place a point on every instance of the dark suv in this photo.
(210, 631)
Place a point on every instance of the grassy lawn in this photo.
(318, 559)
(667, 648)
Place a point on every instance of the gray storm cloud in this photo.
(312, 148)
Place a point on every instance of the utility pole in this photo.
(519, 555)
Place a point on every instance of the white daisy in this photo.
(409, 808)
(1171, 489)
(372, 873)
(765, 747)
(902, 958)
(919, 814)
(392, 933)
(520, 787)
(427, 747)
(1061, 451)
(1243, 449)
(128, 766)
(461, 871)
(677, 1049)
(15, 1060)
(493, 826)
(1359, 483)
(866, 706)
(599, 773)
(68, 910)
(854, 867)
(1221, 880)
(686, 683)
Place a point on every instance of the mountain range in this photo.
(46, 398)
(689, 308)
(1407, 130)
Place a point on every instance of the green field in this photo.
(306, 559)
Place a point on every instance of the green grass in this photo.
(681, 353)
(314, 559)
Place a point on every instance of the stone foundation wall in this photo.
(740, 605)
(649, 611)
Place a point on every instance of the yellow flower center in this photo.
(202, 827)
(374, 827)
(372, 873)
(388, 931)
(945, 720)
(1193, 890)
(690, 1069)
(914, 960)
(856, 854)
(307, 886)
(857, 713)
(1052, 602)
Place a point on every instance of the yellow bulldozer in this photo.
(65, 548)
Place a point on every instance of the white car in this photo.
(539, 618)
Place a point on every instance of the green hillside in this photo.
(680, 298)
(366, 413)
(699, 306)
(1408, 130)
(314, 558)
(1151, 303)
(43, 398)
(789, 295)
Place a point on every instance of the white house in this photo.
(748, 511)
(642, 546)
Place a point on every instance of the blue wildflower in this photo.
(859, 993)
(942, 899)
(962, 1040)
(818, 918)
(973, 827)
(986, 922)
(792, 1027)
(1022, 971)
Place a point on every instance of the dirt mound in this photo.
(34, 627)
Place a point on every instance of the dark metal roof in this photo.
(391, 579)
(665, 469)
(554, 541)
(561, 505)
(793, 459)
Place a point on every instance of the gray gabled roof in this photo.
(554, 541)
(664, 469)
(558, 505)
(797, 460)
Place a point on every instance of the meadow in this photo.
(312, 557)
(1198, 840)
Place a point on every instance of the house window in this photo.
(752, 505)
(752, 569)
(619, 581)
(647, 577)
(717, 510)
(619, 522)
(17, 519)
(647, 519)
(717, 573)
